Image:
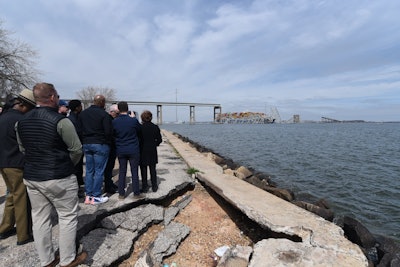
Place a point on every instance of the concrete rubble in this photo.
(108, 231)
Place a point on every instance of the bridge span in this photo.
(159, 105)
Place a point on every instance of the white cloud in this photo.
(304, 57)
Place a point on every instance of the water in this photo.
(354, 166)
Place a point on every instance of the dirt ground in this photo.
(213, 224)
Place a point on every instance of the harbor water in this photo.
(354, 166)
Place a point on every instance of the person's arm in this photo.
(139, 133)
(21, 147)
(67, 131)
(158, 136)
(108, 128)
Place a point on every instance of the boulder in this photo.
(243, 172)
(254, 180)
(285, 194)
(388, 250)
(217, 159)
(322, 212)
(323, 203)
(358, 233)
(229, 172)
(263, 184)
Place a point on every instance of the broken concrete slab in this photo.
(106, 246)
(164, 245)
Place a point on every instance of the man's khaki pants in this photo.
(16, 209)
(61, 194)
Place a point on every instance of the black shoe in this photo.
(144, 189)
(20, 243)
(154, 188)
(110, 190)
(81, 192)
(8, 233)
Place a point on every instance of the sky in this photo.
(335, 59)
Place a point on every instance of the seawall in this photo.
(317, 242)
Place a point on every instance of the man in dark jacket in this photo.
(109, 186)
(75, 107)
(16, 208)
(127, 132)
(96, 126)
(51, 148)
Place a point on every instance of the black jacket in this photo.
(151, 138)
(95, 125)
(10, 156)
(46, 155)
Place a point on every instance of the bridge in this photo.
(325, 119)
(159, 105)
(330, 120)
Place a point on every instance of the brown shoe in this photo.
(55, 261)
(139, 196)
(79, 259)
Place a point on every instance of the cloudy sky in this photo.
(337, 59)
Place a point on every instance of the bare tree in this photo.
(87, 94)
(16, 65)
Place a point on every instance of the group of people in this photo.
(41, 161)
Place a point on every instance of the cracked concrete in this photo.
(108, 231)
(322, 243)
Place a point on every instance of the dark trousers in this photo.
(78, 171)
(133, 160)
(153, 176)
(108, 172)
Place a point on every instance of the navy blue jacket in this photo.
(127, 132)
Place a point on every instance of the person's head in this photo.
(26, 96)
(123, 107)
(24, 101)
(99, 100)
(114, 111)
(75, 105)
(46, 95)
(63, 107)
(9, 102)
(146, 116)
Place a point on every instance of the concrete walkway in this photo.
(108, 231)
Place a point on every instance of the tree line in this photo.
(18, 70)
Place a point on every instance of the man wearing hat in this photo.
(16, 208)
(63, 107)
